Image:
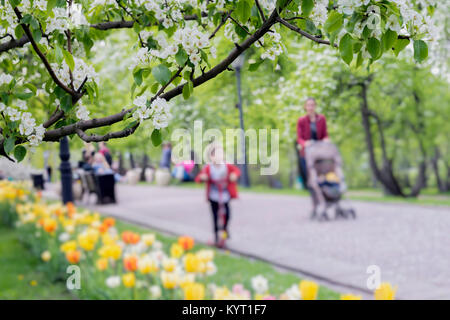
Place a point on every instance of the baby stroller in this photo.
(326, 180)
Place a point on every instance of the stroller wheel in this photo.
(324, 217)
(339, 213)
(352, 213)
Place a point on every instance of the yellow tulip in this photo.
(194, 291)
(102, 264)
(169, 264)
(385, 292)
(112, 251)
(350, 297)
(46, 256)
(169, 279)
(88, 239)
(148, 239)
(187, 279)
(308, 290)
(176, 250)
(129, 280)
(191, 263)
(221, 293)
(147, 265)
(205, 255)
(68, 246)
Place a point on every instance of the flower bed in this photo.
(126, 265)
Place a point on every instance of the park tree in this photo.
(48, 85)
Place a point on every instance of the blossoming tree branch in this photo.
(174, 52)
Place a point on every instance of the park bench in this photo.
(102, 185)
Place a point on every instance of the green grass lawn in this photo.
(19, 278)
(18, 269)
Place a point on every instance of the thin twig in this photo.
(261, 12)
(42, 56)
(303, 33)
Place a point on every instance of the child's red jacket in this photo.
(232, 186)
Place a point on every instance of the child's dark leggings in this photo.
(216, 217)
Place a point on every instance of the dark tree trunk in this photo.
(122, 170)
(132, 163)
(144, 166)
(443, 186)
(384, 175)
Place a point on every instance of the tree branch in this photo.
(261, 12)
(111, 135)
(220, 25)
(42, 56)
(303, 33)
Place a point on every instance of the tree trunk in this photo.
(384, 175)
(122, 170)
(442, 186)
(144, 166)
(132, 163)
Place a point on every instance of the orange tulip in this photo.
(50, 225)
(102, 228)
(109, 222)
(70, 209)
(130, 237)
(186, 242)
(73, 256)
(130, 263)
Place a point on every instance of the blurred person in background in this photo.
(310, 127)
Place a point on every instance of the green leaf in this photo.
(69, 59)
(188, 88)
(181, 57)
(24, 95)
(19, 153)
(389, 39)
(307, 7)
(359, 60)
(37, 35)
(31, 87)
(162, 74)
(138, 77)
(346, 48)
(334, 22)
(243, 11)
(399, 45)
(420, 50)
(255, 66)
(9, 144)
(156, 137)
(66, 103)
(154, 88)
(58, 54)
(374, 48)
(18, 32)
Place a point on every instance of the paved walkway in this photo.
(410, 243)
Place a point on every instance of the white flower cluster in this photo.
(275, 49)
(191, 39)
(59, 21)
(412, 21)
(82, 112)
(80, 72)
(5, 78)
(159, 111)
(27, 124)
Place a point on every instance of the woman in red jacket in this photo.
(310, 127)
(220, 178)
